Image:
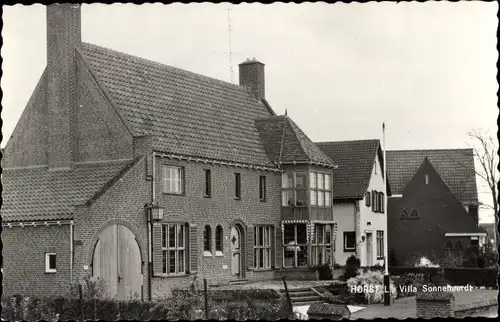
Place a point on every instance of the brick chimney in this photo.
(252, 76)
(63, 35)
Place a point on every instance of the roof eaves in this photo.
(104, 91)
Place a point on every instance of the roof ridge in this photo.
(426, 150)
(150, 61)
(347, 141)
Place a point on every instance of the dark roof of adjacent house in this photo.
(455, 166)
(37, 193)
(186, 113)
(285, 142)
(355, 161)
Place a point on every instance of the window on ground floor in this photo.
(207, 241)
(349, 241)
(219, 240)
(295, 245)
(174, 248)
(380, 243)
(262, 247)
(322, 244)
(50, 263)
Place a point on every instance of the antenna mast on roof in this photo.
(230, 48)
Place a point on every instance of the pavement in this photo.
(407, 307)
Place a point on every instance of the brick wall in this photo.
(101, 133)
(122, 204)
(24, 266)
(221, 209)
(432, 305)
(28, 144)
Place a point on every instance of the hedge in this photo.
(456, 276)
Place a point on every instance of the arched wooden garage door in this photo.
(117, 260)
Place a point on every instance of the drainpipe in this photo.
(71, 252)
(150, 229)
(387, 294)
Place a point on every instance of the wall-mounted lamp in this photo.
(156, 213)
(363, 238)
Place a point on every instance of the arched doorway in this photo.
(117, 261)
(237, 250)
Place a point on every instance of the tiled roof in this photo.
(40, 194)
(284, 141)
(455, 166)
(355, 161)
(186, 113)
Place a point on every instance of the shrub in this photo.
(324, 272)
(352, 266)
(419, 259)
(374, 279)
(408, 285)
(487, 257)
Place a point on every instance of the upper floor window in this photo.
(262, 188)
(173, 179)
(208, 183)
(237, 185)
(294, 189)
(321, 189)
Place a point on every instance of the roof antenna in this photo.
(230, 47)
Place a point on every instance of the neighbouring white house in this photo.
(358, 200)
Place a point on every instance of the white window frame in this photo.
(173, 185)
(380, 244)
(296, 247)
(47, 263)
(317, 244)
(265, 248)
(345, 241)
(166, 248)
(320, 196)
(286, 190)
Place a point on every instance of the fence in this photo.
(189, 304)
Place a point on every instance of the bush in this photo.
(420, 259)
(351, 268)
(374, 279)
(407, 286)
(487, 258)
(324, 272)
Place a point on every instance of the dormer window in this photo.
(426, 179)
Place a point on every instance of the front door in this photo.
(235, 252)
(369, 249)
(117, 261)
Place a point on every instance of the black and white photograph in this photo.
(298, 161)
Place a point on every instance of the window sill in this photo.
(207, 254)
(237, 198)
(219, 254)
(263, 269)
(263, 200)
(207, 196)
(349, 250)
(174, 194)
(164, 275)
(50, 272)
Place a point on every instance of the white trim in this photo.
(47, 262)
(395, 196)
(464, 234)
(36, 223)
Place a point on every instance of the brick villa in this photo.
(145, 175)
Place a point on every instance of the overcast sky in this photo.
(427, 69)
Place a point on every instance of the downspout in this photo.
(71, 252)
(150, 229)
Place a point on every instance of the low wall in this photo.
(297, 274)
(488, 308)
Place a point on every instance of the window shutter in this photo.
(382, 202)
(273, 247)
(277, 247)
(250, 242)
(367, 200)
(374, 200)
(157, 251)
(193, 248)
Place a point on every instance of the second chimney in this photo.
(252, 76)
